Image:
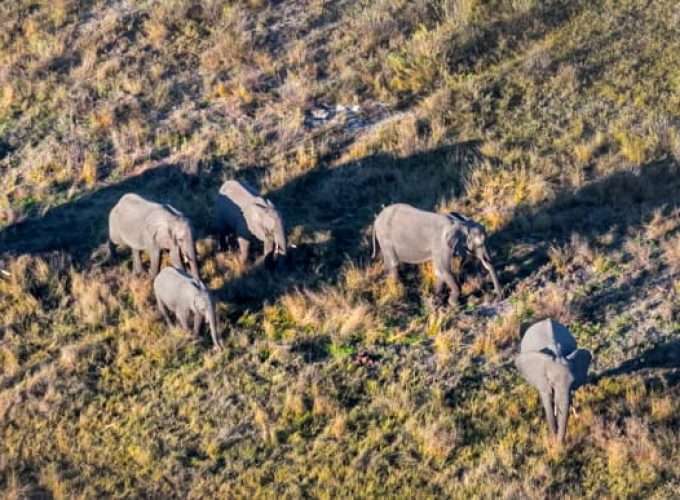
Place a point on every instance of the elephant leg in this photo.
(391, 263)
(266, 254)
(244, 247)
(164, 312)
(111, 250)
(137, 262)
(222, 240)
(155, 261)
(197, 324)
(175, 257)
(183, 318)
(438, 289)
(393, 272)
(268, 248)
(454, 288)
(547, 400)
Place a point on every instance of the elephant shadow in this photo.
(664, 356)
(331, 207)
(603, 213)
(80, 226)
(329, 212)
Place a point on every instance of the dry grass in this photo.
(671, 253)
(336, 381)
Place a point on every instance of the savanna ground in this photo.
(555, 123)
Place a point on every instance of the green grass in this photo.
(552, 122)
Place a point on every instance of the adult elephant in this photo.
(550, 361)
(408, 234)
(241, 211)
(145, 225)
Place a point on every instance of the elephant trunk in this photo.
(175, 256)
(483, 256)
(562, 404)
(280, 239)
(190, 254)
(212, 323)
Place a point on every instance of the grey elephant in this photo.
(239, 210)
(185, 296)
(550, 361)
(408, 234)
(145, 225)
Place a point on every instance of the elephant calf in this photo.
(241, 211)
(185, 296)
(550, 361)
(407, 234)
(146, 225)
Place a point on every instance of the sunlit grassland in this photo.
(554, 123)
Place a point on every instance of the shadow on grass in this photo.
(606, 213)
(533, 24)
(332, 208)
(661, 356)
(78, 227)
(603, 212)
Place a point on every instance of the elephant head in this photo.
(183, 245)
(475, 244)
(204, 306)
(174, 232)
(270, 224)
(555, 376)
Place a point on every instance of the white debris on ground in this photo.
(351, 119)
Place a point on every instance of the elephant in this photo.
(146, 225)
(550, 361)
(184, 296)
(407, 234)
(241, 211)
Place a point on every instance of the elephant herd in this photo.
(549, 359)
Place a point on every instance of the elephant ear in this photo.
(199, 302)
(533, 366)
(455, 240)
(160, 230)
(253, 213)
(579, 361)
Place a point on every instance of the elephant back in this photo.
(239, 192)
(548, 334)
(128, 219)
